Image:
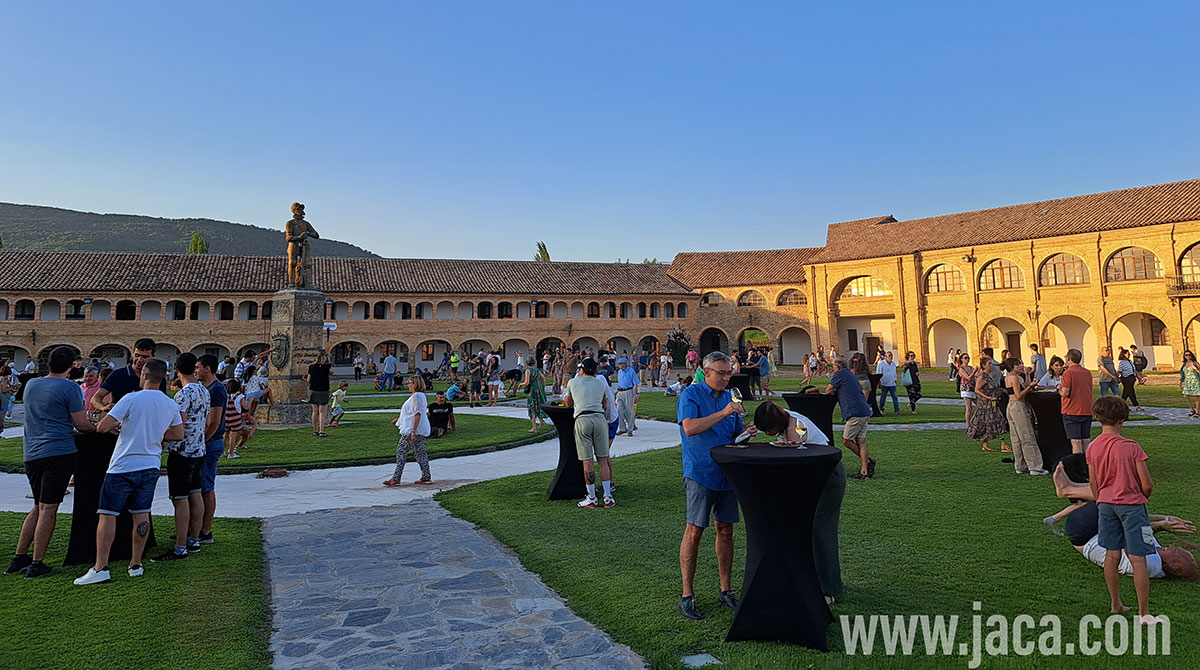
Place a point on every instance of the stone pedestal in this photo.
(297, 320)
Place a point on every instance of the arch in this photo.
(74, 310)
(541, 309)
(946, 334)
(669, 310)
(17, 356)
(642, 310)
(1148, 333)
(791, 298)
(648, 344)
(610, 310)
(752, 336)
(176, 310)
(626, 311)
(593, 310)
(223, 311)
(473, 346)
(423, 311)
(504, 310)
(561, 310)
(211, 348)
(712, 299)
(4, 311)
(43, 356)
(337, 310)
(794, 344)
(1189, 264)
(1004, 333)
(585, 343)
(360, 310)
(578, 310)
(51, 310)
(403, 311)
(550, 343)
(119, 354)
(126, 310)
(863, 286)
(523, 309)
(483, 310)
(394, 348)
(197, 311)
(24, 310)
(1063, 269)
(999, 274)
(620, 345)
(751, 298)
(655, 310)
(1132, 263)
(682, 310)
(151, 310)
(429, 354)
(944, 278)
(466, 310)
(247, 310)
(712, 339)
(445, 310)
(342, 354)
(1070, 332)
(510, 348)
(164, 349)
(268, 307)
(380, 309)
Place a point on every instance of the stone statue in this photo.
(298, 231)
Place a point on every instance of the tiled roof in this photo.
(741, 268)
(1112, 210)
(137, 272)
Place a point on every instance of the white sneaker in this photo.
(93, 577)
(609, 501)
(589, 502)
(234, 455)
(1039, 473)
(136, 570)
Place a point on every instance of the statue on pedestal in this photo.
(298, 231)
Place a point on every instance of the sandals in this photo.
(986, 448)
(391, 482)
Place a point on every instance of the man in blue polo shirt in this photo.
(127, 379)
(855, 415)
(627, 390)
(708, 418)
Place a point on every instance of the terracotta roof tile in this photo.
(711, 269)
(141, 272)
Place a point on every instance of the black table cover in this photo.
(741, 382)
(568, 481)
(781, 597)
(1048, 426)
(95, 451)
(818, 407)
(873, 401)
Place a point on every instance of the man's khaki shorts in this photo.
(591, 436)
(855, 428)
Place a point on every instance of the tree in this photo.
(543, 254)
(678, 344)
(197, 245)
(650, 261)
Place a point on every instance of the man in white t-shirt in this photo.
(31, 367)
(144, 419)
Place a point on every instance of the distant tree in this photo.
(543, 254)
(197, 245)
(678, 344)
(650, 261)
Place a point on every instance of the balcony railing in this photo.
(1179, 287)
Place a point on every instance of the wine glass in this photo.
(737, 395)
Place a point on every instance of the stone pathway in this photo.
(409, 586)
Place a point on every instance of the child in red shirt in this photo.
(1121, 483)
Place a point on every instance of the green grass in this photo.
(209, 611)
(941, 526)
(361, 436)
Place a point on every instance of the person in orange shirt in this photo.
(1076, 391)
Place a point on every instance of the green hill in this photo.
(36, 228)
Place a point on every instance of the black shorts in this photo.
(475, 384)
(49, 476)
(184, 475)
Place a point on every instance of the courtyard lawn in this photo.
(941, 526)
(360, 438)
(209, 611)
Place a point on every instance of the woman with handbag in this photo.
(911, 380)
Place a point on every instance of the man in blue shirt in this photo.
(855, 415)
(627, 392)
(708, 418)
(53, 408)
(127, 379)
(390, 363)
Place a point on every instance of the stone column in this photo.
(296, 327)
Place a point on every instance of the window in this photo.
(420, 311)
(1001, 274)
(178, 310)
(944, 279)
(682, 311)
(1189, 265)
(24, 311)
(484, 310)
(669, 310)
(865, 287)
(504, 310)
(1132, 263)
(1158, 333)
(380, 310)
(593, 310)
(266, 310)
(127, 310)
(751, 299)
(641, 310)
(852, 339)
(791, 298)
(75, 310)
(1063, 269)
(427, 351)
(711, 299)
(541, 310)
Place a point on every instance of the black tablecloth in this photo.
(24, 378)
(873, 401)
(1048, 426)
(741, 382)
(95, 451)
(818, 407)
(568, 481)
(778, 490)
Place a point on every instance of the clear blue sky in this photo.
(614, 129)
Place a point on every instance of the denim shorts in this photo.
(212, 456)
(612, 429)
(1126, 527)
(703, 501)
(1078, 426)
(132, 489)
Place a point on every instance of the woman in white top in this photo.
(1053, 377)
(413, 424)
(1128, 374)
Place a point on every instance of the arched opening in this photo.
(1148, 333)
(424, 311)
(712, 339)
(584, 344)
(127, 310)
(577, 310)
(267, 307)
(648, 344)
(669, 310)
(4, 312)
(794, 344)
(712, 299)
(152, 310)
(523, 310)
(1001, 274)
(176, 311)
(223, 311)
(403, 311)
(504, 310)
(342, 355)
(751, 298)
(610, 310)
(466, 310)
(541, 309)
(1132, 263)
(429, 354)
(247, 310)
(593, 310)
(25, 310)
(626, 310)
(944, 278)
(1063, 269)
(199, 311)
(864, 287)
(76, 310)
(509, 349)
(548, 343)
(620, 345)
(791, 298)
(389, 348)
(17, 356)
(474, 347)
(682, 311)
(1189, 264)
(1004, 333)
(484, 310)
(641, 310)
(944, 335)
(1070, 332)
(750, 338)
(360, 310)
(214, 349)
(655, 310)
(338, 310)
(44, 356)
(380, 309)
(560, 310)
(51, 310)
(445, 310)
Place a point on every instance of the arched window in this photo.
(593, 310)
(669, 310)
(682, 311)
(380, 310)
(944, 279)
(1063, 269)
(127, 310)
(75, 310)
(999, 274)
(1189, 265)
(504, 310)
(1158, 333)
(711, 299)
(24, 310)
(751, 299)
(866, 287)
(483, 310)
(641, 310)
(1132, 263)
(791, 298)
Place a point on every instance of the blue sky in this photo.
(616, 129)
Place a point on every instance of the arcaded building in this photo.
(1115, 268)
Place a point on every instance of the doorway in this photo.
(871, 344)
(1012, 342)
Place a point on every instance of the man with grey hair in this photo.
(708, 418)
(855, 415)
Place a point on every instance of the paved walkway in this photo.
(409, 586)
